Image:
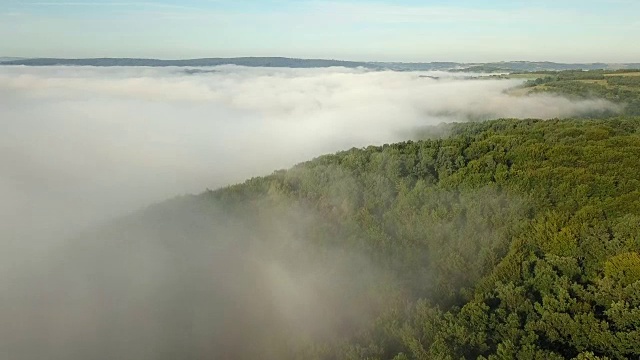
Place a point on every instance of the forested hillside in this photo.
(621, 86)
(507, 239)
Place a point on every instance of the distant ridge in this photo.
(242, 61)
(320, 63)
(544, 66)
(9, 58)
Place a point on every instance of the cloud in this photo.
(103, 141)
(128, 4)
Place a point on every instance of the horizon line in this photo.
(17, 58)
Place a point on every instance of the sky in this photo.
(403, 30)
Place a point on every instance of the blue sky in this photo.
(404, 30)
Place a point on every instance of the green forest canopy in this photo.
(508, 239)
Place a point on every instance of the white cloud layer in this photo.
(81, 144)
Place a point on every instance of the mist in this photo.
(83, 146)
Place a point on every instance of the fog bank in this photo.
(81, 144)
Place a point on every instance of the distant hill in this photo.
(242, 61)
(8, 58)
(503, 66)
(544, 66)
(620, 86)
(399, 66)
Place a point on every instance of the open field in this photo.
(634, 74)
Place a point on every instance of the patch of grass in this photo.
(634, 74)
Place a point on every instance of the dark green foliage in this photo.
(509, 239)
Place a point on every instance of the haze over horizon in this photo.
(403, 31)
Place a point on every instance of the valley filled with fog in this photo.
(81, 145)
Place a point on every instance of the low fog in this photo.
(82, 146)
(186, 280)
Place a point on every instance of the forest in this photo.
(508, 239)
(619, 86)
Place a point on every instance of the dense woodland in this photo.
(508, 239)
